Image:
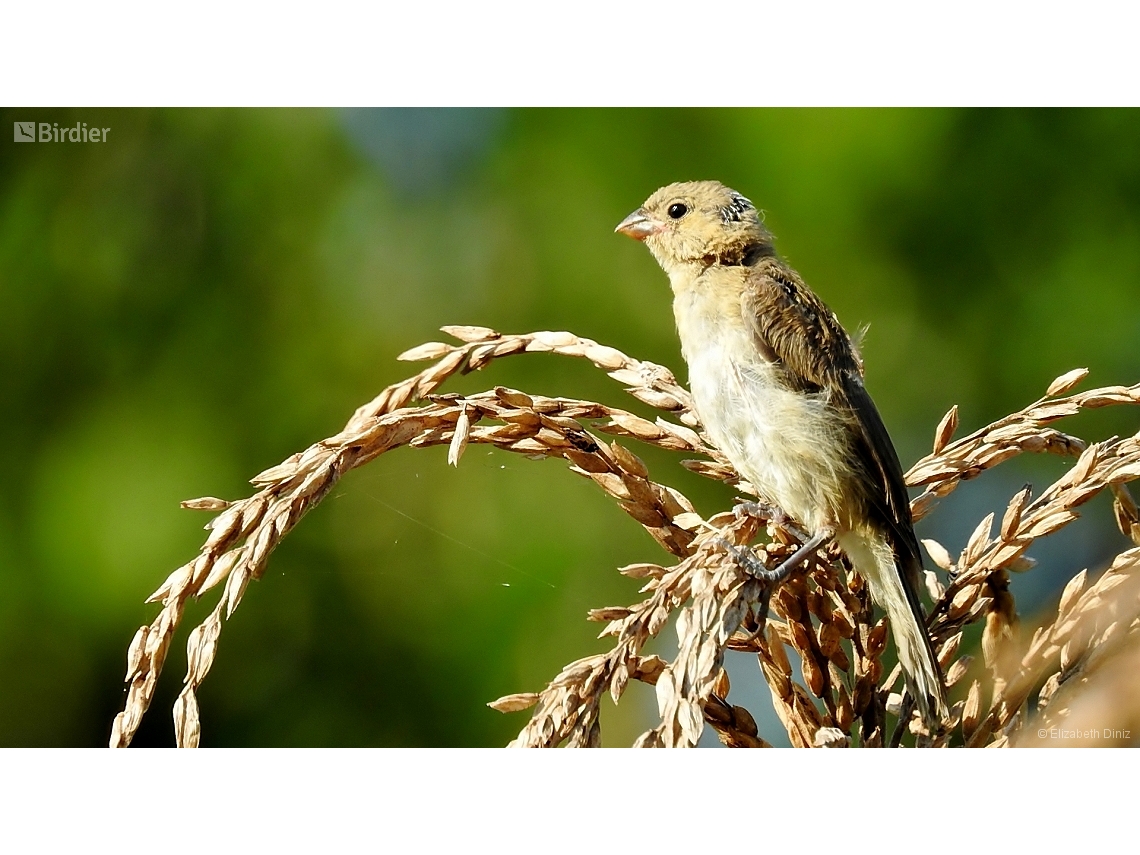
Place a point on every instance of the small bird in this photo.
(778, 386)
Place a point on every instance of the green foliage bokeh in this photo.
(211, 290)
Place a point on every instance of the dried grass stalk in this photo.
(823, 613)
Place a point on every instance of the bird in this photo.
(777, 384)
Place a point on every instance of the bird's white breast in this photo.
(789, 444)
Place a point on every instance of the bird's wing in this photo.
(794, 328)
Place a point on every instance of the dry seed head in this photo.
(608, 614)
(778, 680)
(1085, 463)
(1013, 511)
(459, 438)
(838, 658)
(1127, 515)
(949, 649)
(135, 653)
(220, 569)
(938, 553)
(934, 587)
(206, 503)
(1066, 382)
(978, 542)
(567, 711)
(877, 638)
(427, 350)
(998, 632)
(831, 737)
(1020, 564)
(1050, 523)
(775, 650)
(743, 721)
(470, 333)
(829, 638)
(788, 605)
(648, 669)
(945, 430)
(814, 676)
(843, 621)
(978, 609)
(971, 712)
(801, 637)
(963, 600)
(642, 571)
(957, 671)
(222, 527)
(635, 426)
(721, 685)
(187, 726)
(200, 649)
(844, 710)
(628, 461)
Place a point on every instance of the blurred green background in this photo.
(211, 290)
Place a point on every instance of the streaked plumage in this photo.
(778, 385)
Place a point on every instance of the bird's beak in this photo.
(639, 225)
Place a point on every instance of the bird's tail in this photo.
(873, 558)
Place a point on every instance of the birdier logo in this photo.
(52, 132)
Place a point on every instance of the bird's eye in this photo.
(678, 210)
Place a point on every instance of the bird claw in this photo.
(761, 612)
(750, 563)
(747, 560)
(744, 557)
(760, 511)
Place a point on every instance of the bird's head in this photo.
(698, 223)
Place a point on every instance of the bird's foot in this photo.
(760, 511)
(748, 560)
(751, 563)
(760, 613)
